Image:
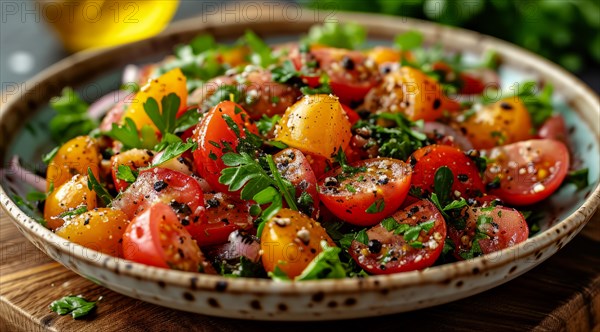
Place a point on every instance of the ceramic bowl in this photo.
(567, 211)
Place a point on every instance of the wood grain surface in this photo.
(563, 294)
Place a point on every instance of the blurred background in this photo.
(36, 34)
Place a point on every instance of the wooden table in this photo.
(561, 294)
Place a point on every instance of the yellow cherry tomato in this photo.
(316, 124)
(99, 229)
(383, 54)
(68, 196)
(134, 159)
(411, 92)
(290, 241)
(74, 157)
(170, 82)
(503, 122)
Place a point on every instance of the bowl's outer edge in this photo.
(328, 299)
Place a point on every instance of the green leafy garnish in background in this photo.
(348, 35)
(72, 117)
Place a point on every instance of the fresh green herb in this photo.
(165, 117)
(198, 61)
(350, 188)
(448, 246)
(186, 121)
(223, 93)
(305, 203)
(442, 184)
(347, 170)
(285, 73)
(533, 219)
(73, 212)
(47, 158)
(349, 35)
(579, 178)
(126, 174)
(94, 185)
(362, 236)
(261, 52)
(72, 117)
(399, 140)
(28, 206)
(278, 274)
(131, 138)
(242, 268)
(322, 89)
(483, 219)
(75, 305)
(326, 265)
(409, 40)
(174, 150)
(266, 124)
(376, 207)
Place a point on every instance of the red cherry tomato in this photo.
(413, 241)
(294, 167)
(179, 191)
(526, 172)
(351, 74)
(485, 230)
(215, 137)
(156, 238)
(224, 214)
(352, 115)
(365, 196)
(427, 160)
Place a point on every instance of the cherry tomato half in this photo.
(374, 190)
(526, 172)
(487, 229)
(295, 168)
(412, 241)
(181, 192)
(224, 214)
(427, 160)
(215, 137)
(156, 238)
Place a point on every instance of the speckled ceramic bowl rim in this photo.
(445, 273)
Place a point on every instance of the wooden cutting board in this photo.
(561, 294)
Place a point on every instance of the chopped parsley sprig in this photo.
(77, 306)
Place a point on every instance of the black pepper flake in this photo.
(86, 222)
(180, 208)
(374, 246)
(213, 202)
(185, 222)
(347, 63)
(437, 103)
(180, 252)
(160, 185)
(462, 177)
(506, 106)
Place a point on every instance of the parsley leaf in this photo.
(285, 73)
(174, 150)
(164, 118)
(409, 40)
(128, 134)
(72, 117)
(75, 305)
(348, 35)
(47, 158)
(94, 185)
(442, 184)
(266, 124)
(261, 52)
(126, 174)
(326, 265)
(376, 207)
(278, 274)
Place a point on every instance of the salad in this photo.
(321, 158)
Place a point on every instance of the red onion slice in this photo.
(240, 244)
(21, 176)
(101, 106)
(436, 127)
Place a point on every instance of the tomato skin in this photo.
(70, 195)
(156, 238)
(353, 117)
(503, 122)
(214, 130)
(506, 227)
(224, 214)
(301, 126)
(134, 159)
(290, 241)
(554, 128)
(427, 160)
(294, 167)
(74, 157)
(181, 192)
(170, 82)
(411, 92)
(528, 171)
(99, 229)
(384, 183)
(401, 255)
(351, 74)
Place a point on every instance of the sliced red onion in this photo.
(21, 176)
(240, 244)
(131, 74)
(436, 127)
(101, 106)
